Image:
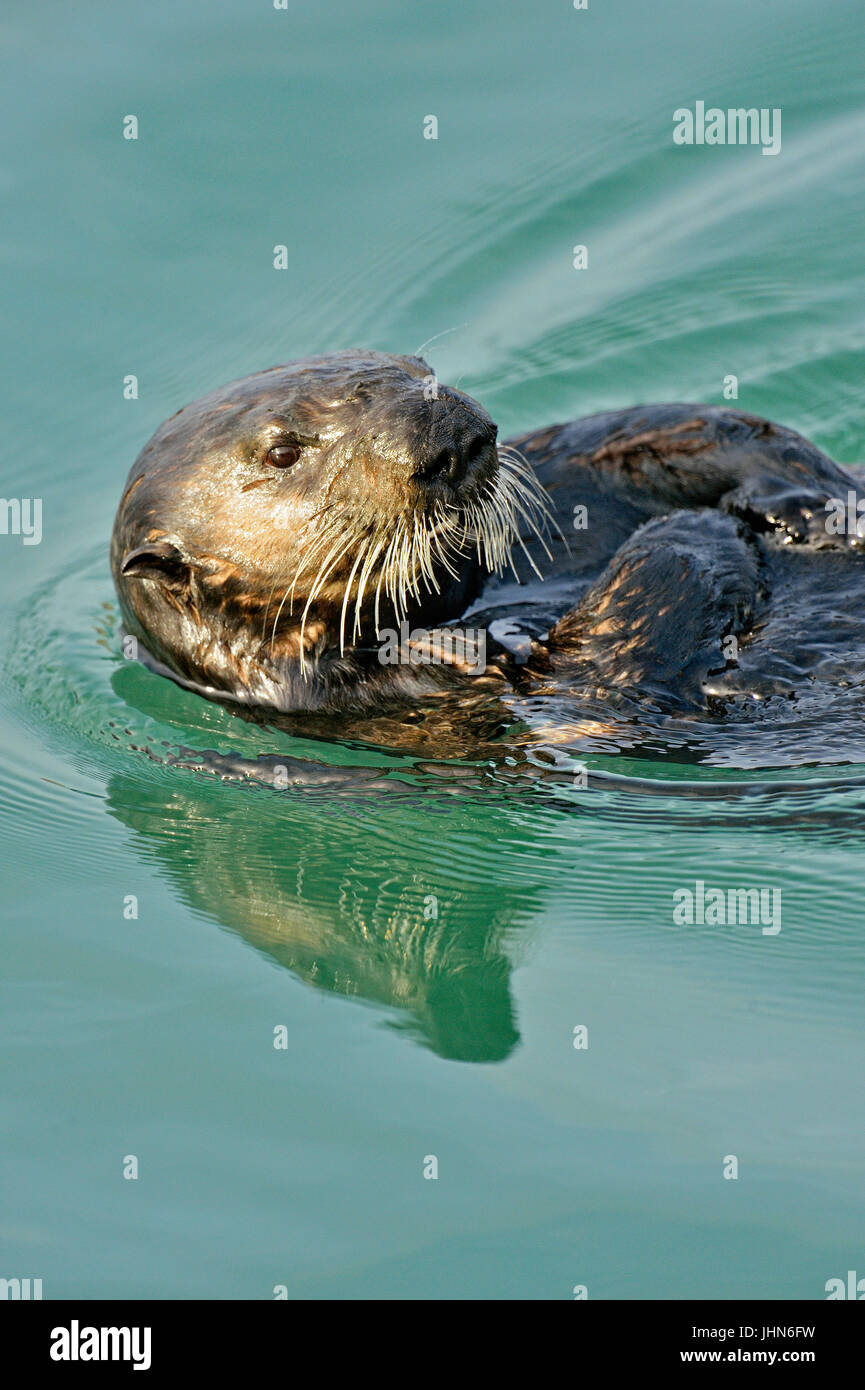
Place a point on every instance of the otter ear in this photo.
(160, 560)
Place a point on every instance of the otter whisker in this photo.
(411, 563)
(389, 558)
(401, 573)
(419, 558)
(430, 578)
(441, 539)
(542, 518)
(360, 555)
(521, 474)
(320, 541)
(319, 544)
(422, 546)
(385, 568)
(280, 574)
(493, 532)
(334, 555)
(339, 545)
(372, 554)
(517, 507)
(403, 577)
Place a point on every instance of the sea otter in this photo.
(656, 563)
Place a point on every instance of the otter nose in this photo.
(451, 461)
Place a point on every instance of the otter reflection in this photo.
(296, 879)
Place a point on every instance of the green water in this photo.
(409, 1036)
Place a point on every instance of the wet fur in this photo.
(703, 523)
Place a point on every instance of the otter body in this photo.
(658, 563)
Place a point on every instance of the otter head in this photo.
(269, 531)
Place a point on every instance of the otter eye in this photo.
(283, 455)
